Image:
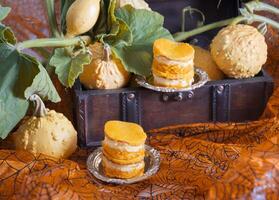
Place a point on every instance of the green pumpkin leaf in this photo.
(12, 108)
(21, 76)
(34, 79)
(119, 33)
(6, 35)
(132, 42)
(4, 11)
(41, 84)
(68, 67)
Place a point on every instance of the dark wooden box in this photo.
(222, 101)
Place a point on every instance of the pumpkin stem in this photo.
(53, 42)
(106, 52)
(40, 110)
(50, 8)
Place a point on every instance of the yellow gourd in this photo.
(204, 60)
(82, 16)
(46, 132)
(105, 72)
(239, 50)
(97, 50)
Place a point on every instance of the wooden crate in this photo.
(227, 100)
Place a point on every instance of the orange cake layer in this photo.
(122, 155)
(171, 73)
(122, 171)
(178, 51)
(119, 174)
(130, 133)
(112, 158)
(174, 83)
(122, 146)
(171, 70)
(187, 77)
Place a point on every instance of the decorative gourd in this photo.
(105, 73)
(203, 60)
(239, 50)
(97, 50)
(138, 4)
(82, 16)
(46, 132)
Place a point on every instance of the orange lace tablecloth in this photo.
(201, 161)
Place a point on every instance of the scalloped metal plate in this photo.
(152, 164)
(200, 79)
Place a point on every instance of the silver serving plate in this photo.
(152, 163)
(200, 79)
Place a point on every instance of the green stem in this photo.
(258, 18)
(53, 42)
(260, 6)
(237, 20)
(181, 36)
(52, 18)
(40, 108)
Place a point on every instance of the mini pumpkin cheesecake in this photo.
(173, 63)
(123, 149)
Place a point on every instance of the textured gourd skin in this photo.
(97, 50)
(138, 4)
(239, 51)
(82, 16)
(102, 74)
(52, 135)
(203, 60)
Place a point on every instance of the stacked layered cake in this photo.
(123, 150)
(173, 63)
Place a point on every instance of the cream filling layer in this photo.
(166, 61)
(123, 168)
(122, 146)
(164, 81)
